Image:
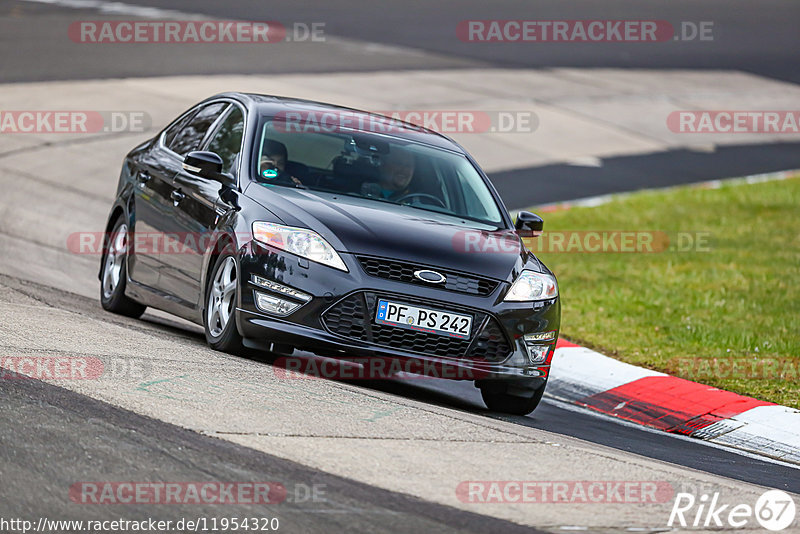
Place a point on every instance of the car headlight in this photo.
(300, 241)
(532, 286)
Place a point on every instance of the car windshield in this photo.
(377, 167)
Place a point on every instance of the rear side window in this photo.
(190, 135)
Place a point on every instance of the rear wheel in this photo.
(219, 317)
(508, 399)
(114, 275)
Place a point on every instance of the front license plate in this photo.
(423, 319)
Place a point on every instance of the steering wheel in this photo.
(422, 195)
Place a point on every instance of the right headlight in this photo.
(300, 241)
(530, 286)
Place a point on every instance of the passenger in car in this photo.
(272, 167)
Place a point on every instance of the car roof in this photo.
(270, 105)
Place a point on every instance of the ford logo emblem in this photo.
(432, 277)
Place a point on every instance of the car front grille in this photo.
(352, 317)
(404, 272)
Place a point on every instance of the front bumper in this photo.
(338, 320)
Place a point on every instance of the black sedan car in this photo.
(284, 224)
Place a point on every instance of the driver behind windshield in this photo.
(396, 172)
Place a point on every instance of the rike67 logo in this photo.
(774, 510)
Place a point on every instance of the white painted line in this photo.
(120, 8)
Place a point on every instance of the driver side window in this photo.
(227, 141)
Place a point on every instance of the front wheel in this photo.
(508, 400)
(219, 317)
(114, 276)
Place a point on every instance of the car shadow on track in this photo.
(457, 394)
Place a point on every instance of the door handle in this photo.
(176, 196)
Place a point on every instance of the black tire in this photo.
(220, 336)
(501, 400)
(114, 274)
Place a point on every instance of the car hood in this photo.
(362, 226)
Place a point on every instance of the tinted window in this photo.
(176, 126)
(227, 141)
(191, 135)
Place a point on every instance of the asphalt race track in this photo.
(383, 456)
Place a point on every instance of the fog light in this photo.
(537, 353)
(275, 305)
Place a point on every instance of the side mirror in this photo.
(207, 165)
(530, 222)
